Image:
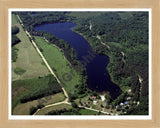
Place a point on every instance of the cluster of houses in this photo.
(124, 105)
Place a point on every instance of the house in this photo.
(134, 102)
(121, 104)
(94, 102)
(129, 98)
(117, 106)
(94, 97)
(126, 102)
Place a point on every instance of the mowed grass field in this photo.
(24, 109)
(56, 60)
(28, 59)
(56, 107)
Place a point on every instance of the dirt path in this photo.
(90, 26)
(98, 37)
(49, 68)
(123, 57)
(140, 81)
(96, 110)
(50, 105)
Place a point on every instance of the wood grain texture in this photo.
(6, 4)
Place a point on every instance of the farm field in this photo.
(58, 63)
(24, 109)
(27, 90)
(57, 107)
(28, 59)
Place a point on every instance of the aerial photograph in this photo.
(79, 63)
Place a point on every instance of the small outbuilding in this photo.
(129, 98)
(126, 102)
(94, 102)
(121, 104)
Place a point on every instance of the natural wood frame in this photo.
(6, 4)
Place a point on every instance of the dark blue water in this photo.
(98, 77)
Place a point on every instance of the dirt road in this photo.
(49, 68)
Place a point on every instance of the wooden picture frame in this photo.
(5, 122)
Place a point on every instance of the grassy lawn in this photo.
(57, 107)
(27, 59)
(87, 112)
(58, 63)
(14, 19)
(24, 109)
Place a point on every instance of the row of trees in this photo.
(15, 39)
(51, 88)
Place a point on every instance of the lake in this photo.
(98, 77)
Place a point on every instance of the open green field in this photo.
(56, 107)
(14, 19)
(59, 64)
(28, 59)
(24, 109)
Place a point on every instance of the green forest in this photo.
(127, 41)
(123, 36)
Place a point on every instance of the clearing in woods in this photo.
(28, 59)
